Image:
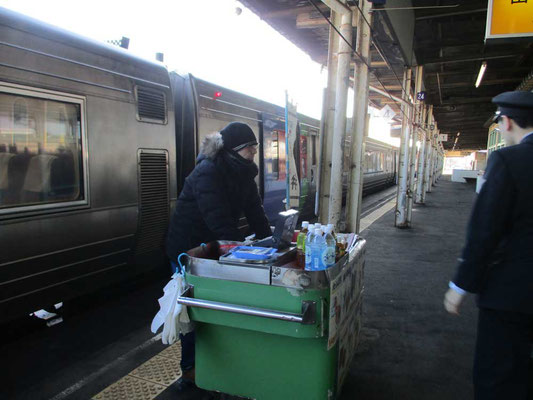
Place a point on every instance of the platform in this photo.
(411, 348)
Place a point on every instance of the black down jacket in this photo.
(219, 190)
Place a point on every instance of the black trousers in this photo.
(503, 352)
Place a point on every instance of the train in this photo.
(95, 144)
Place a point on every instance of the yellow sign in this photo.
(509, 18)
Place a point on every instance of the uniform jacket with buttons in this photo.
(497, 261)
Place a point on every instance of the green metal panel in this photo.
(260, 296)
(264, 366)
(258, 357)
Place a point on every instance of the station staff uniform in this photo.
(497, 263)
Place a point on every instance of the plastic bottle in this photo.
(300, 245)
(332, 231)
(308, 249)
(328, 255)
(318, 247)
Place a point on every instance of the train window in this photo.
(274, 157)
(282, 167)
(41, 149)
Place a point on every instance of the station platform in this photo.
(410, 347)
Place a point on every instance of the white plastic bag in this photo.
(173, 316)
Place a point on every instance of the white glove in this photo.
(452, 301)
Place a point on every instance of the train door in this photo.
(274, 165)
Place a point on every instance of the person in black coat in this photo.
(219, 190)
(497, 261)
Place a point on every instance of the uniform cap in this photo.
(514, 104)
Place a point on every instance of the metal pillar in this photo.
(429, 149)
(420, 194)
(327, 132)
(403, 170)
(339, 130)
(414, 137)
(360, 120)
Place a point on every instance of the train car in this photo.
(95, 145)
(380, 164)
(216, 106)
(87, 164)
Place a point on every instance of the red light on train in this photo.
(217, 95)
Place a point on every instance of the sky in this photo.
(207, 38)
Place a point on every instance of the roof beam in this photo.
(292, 12)
(305, 21)
(460, 60)
(451, 14)
(483, 83)
(337, 6)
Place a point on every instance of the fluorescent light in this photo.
(481, 72)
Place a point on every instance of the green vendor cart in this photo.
(273, 331)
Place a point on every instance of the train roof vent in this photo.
(151, 105)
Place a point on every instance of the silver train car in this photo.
(95, 145)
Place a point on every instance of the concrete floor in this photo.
(411, 348)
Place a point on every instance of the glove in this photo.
(452, 301)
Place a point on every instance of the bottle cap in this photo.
(305, 224)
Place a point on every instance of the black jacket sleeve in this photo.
(488, 224)
(255, 213)
(210, 195)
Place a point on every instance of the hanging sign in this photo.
(387, 113)
(443, 137)
(291, 126)
(509, 19)
(421, 96)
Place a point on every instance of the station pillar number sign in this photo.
(421, 96)
(509, 19)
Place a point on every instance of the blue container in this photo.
(253, 253)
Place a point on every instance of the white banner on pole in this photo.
(291, 126)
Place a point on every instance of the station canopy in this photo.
(447, 37)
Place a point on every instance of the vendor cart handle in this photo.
(307, 317)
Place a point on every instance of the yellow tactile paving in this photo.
(130, 388)
(173, 351)
(149, 379)
(160, 370)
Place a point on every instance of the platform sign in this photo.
(293, 181)
(387, 113)
(421, 96)
(509, 19)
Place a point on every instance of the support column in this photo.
(429, 152)
(360, 119)
(327, 131)
(420, 194)
(414, 137)
(339, 131)
(403, 170)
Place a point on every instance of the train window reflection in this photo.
(40, 151)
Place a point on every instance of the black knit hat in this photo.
(237, 136)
